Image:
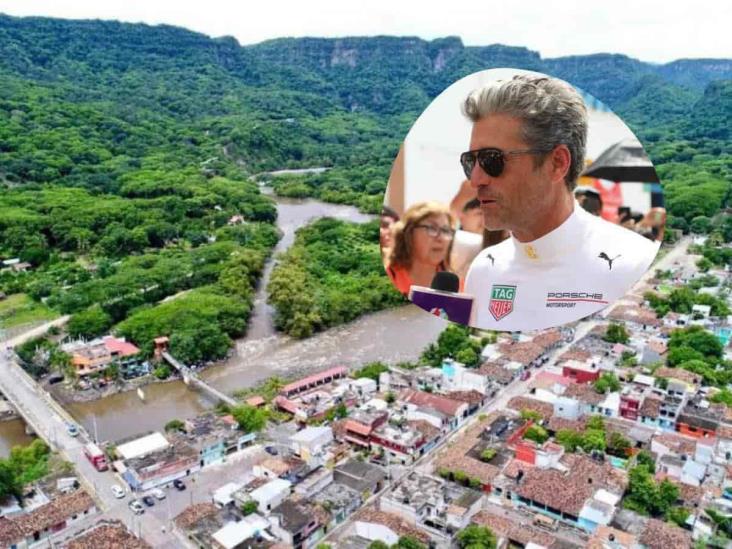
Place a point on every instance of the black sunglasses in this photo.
(491, 160)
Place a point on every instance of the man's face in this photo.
(521, 193)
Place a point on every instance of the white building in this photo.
(270, 495)
(456, 377)
(363, 387)
(234, 534)
(311, 442)
(567, 408)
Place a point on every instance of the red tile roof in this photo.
(46, 516)
(574, 353)
(471, 397)
(496, 371)
(548, 338)
(584, 393)
(123, 348)
(395, 523)
(650, 407)
(315, 378)
(109, 535)
(193, 513)
(356, 427)
(524, 352)
(662, 535)
(568, 491)
(520, 403)
(440, 403)
(504, 527)
(549, 377)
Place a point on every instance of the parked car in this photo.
(271, 450)
(72, 430)
(158, 494)
(136, 507)
(148, 500)
(118, 492)
(526, 374)
(179, 484)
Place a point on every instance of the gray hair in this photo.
(552, 113)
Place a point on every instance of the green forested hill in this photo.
(124, 148)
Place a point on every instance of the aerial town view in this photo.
(200, 346)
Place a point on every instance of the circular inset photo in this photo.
(518, 202)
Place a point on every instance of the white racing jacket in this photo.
(579, 268)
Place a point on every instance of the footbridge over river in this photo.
(191, 378)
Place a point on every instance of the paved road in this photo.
(49, 420)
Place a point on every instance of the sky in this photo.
(655, 31)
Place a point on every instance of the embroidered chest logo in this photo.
(531, 252)
(502, 298)
(604, 256)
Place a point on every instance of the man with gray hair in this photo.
(527, 150)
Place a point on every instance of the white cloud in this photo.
(651, 30)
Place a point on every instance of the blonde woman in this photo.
(422, 241)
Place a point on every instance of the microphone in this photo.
(446, 281)
(444, 298)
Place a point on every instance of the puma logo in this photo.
(604, 256)
(489, 256)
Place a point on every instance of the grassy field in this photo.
(20, 309)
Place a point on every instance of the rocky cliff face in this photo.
(384, 74)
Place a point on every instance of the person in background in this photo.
(589, 199)
(472, 237)
(388, 218)
(471, 217)
(422, 241)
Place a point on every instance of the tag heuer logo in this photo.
(501, 303)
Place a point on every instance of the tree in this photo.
(476, 537)
(617, 444)
(647, 497)
(593, 439)
(700, 225)
(697, 339)
(249, 418)
(596, 422)
(408, 542)
(532, 415)
(372, 371)
(89, 323)
(488, 454)
(607, 382)
(390, 397)
(174, 425)
(616, 333)
(646, 459)
(162, 372)
(378, 544)
(249, 507)
(569, 439)
(536, 433)
(341, 411)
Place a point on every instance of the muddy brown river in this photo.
(391, 336)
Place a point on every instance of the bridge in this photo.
(190, 377)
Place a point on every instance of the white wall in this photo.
(373, 532)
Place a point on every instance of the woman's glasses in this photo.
(434, 231)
